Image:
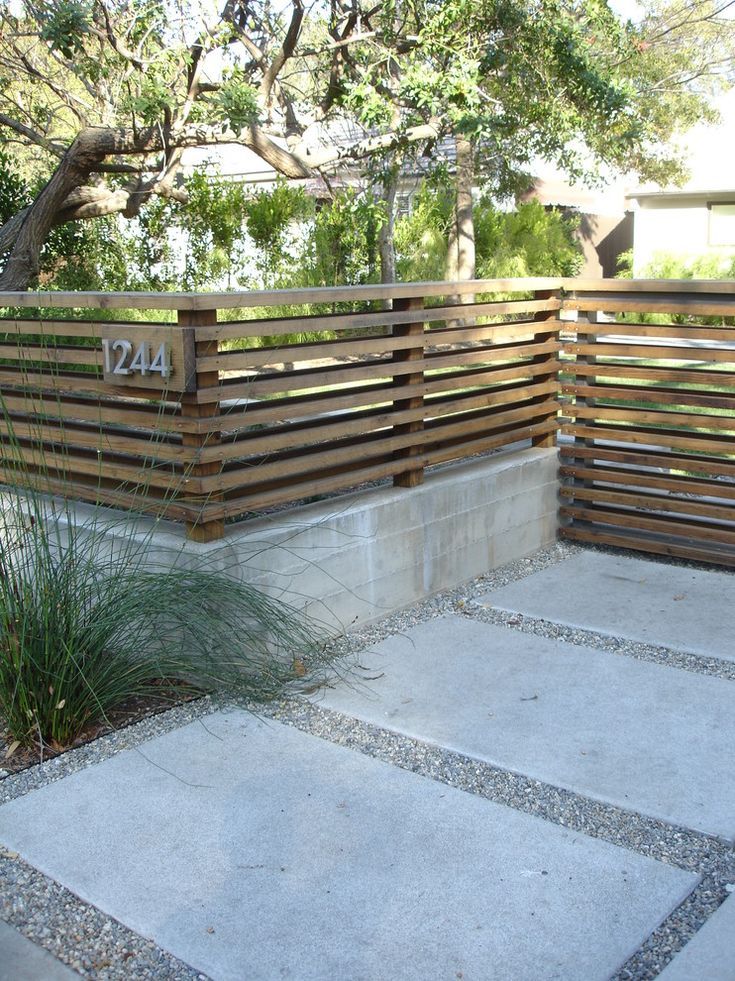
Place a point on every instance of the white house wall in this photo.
(679, 227)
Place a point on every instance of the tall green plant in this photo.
(528, 241)
(87, 619)
(669, 265)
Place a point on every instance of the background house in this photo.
(605, 226)
(698, 218)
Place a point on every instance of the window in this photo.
(721, 224)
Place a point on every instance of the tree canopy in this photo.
(100, 98)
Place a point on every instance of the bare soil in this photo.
(128, 712)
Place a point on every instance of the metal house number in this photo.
(122, 357)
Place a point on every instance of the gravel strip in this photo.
(97, 946)
(696, 663)
(88, 941)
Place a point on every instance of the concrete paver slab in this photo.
(710, 954)
(685, 609)
(639, 735)
(21, 960)
(257, 851)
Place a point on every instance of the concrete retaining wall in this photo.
(356, 558)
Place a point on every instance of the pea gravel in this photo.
(99, 947)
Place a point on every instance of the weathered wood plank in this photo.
(269, 298)
(663, 459)
(660, 395)
(648, 502)
(663, 419)
(652, 352)
(710, 554)
(703, 531)
(691, 377)
(627, 478)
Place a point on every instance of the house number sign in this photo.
(157, 357)
(122, 359)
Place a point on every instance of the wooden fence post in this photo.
(202, 530)
(547, 439)
(412, 476)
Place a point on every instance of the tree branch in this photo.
(325, 156)
(287, 49)
(32, 135)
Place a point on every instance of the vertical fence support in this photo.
(412, 476)
(547, 439)
(567, 451)
(202, 530)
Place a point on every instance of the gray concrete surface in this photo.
(258, 851)
(639, 735)
(673, 606)
(710, 954)
(354, 559)
(21, 960)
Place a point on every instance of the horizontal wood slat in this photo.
(663, 418)
(321, 431)
(315, 456)
(649, 303)
(658, 352)
(691, 378)
(675, 331)
(627, 477)
(102, 412)
(708, 552)
(372, 320)
(617, 518)
(653, 394)
(248, 359)
(659, 459)
(74, 461)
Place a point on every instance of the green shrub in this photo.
(667, 265)
(90, 616)
(86, 623)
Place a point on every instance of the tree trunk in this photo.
(385, 235)
(460, 263)
(74, 170)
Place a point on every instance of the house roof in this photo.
(709, 194)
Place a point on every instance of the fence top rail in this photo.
(355, 294)
(648, 285)
(260, 298)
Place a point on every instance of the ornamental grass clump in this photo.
(86, 623)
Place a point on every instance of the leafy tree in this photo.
(344, 240)
(270, 217)
(108, 94)
(529, 241)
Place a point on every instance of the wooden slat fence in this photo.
(282, 407)
(648, 435)
(265, 399)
